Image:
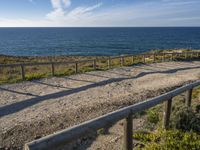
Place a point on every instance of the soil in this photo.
(33, 109)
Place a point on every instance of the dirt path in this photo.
(33, 109)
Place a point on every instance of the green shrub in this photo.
(167, 140)
(153, 116)
(187, 119)
(33, 76)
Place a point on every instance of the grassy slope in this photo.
(184, 132)
(13, 74)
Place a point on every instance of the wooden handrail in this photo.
(94, 61)
(69, 135)
(91, 60)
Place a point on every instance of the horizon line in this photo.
(105, 27)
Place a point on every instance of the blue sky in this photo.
(75, 13)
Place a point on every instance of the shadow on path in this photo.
(91, 74)
(15, 107)
(17, 92)
(52, 85)
(79, 80)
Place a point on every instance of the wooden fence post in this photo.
(109, 63)
(188, 98)
(154, 57)
(128, 133)
(167, 113)
(122, 61)
(132, 59)
(185, 55)
(76, 67)
(172, 57)
(144, 57)
(197, 55)
(52, 69)
(23, 72)
(163, 59)
(94, 64)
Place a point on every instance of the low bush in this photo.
(167, 140)
(33, 76)
(187, 119)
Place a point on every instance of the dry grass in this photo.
(13, 74)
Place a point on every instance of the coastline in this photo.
(13, 74)
(7, 59)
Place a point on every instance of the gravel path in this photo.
(30, 110)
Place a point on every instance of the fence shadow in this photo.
(17, 92)
(52, 85)
(18, 106)
(79, 80)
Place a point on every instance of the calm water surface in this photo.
(94, 41)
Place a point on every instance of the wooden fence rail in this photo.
(64, 137)
(94, 61)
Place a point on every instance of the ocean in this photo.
(95, 41)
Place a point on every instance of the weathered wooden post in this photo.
(188, 98)
(154, 57)
(109, 62)
(167, 113)
(23, 72)
(94, 64)
(163, 59)
(128, 133)
(76, 67)
(52, 69)
(197, 55)
(144, 58)
(122, 61)
(185, 55)
(172, 57)
(132, 59)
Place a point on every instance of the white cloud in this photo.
(82, 11)
(142, 14)
(24, 23)
(60, 4)
(56, 14)
(60, 13)
(58, 9)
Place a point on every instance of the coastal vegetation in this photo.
(13, 74)
(184, 131)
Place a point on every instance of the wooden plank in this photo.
(82, 61)
(69, 135)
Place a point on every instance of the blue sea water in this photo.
(95, 41)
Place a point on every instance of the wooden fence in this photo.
(64, 137)
(173, 56)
